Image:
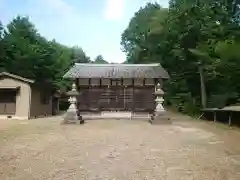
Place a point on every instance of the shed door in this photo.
(7, 102)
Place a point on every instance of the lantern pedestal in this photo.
(73, 115)
(159, 116)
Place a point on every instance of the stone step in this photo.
(115, 115)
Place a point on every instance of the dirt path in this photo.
(119, 149)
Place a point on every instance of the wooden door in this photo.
(88, 100)
(143, 99)
(117, 98)
(112, 99)
(8, 102)
(128, 98)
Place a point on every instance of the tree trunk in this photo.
(203, 88)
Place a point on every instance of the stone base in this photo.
(80, 120)
(75, 122)
(160, 118)
(71, 116)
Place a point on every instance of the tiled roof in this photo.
(83, 70)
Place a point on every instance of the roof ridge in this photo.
(16, 77)
(83, 70)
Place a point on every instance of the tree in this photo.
(185, 39)
(2, 50)
(30, 55)
(79, 56)
(144, 22)
(100, 60)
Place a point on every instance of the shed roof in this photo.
(227, 108)
(13, 76)
(83, 70)
(9, 87)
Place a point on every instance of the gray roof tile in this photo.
(83, 70)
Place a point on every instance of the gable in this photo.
(15, 77)
(8, 82)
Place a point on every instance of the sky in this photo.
(94, 25)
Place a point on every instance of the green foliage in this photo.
(188, 35)
(100, 60)
(2, 49)
(26, 53)
(141, 25)
(79, 56)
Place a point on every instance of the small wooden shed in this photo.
(21, 99)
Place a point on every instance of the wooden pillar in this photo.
(155, 82)
(89, 82)
(89, 94)
(155, 85)
(78, 90)
(123, 94)
(215, 116)
(133, 98)
(230, 118)
(77, 83)
(144, 82)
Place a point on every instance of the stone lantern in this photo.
(159, 99)
(73, 114)
(159, 116)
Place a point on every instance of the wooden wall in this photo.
(120, 94)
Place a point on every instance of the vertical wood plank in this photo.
(155, 81)
(89, 94)
(133, 98)
(77, 83)
(230, 119)
(78, 89)
(215, 116)
(89, 82)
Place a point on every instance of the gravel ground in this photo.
(118, 149)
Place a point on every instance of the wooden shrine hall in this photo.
(116, 87)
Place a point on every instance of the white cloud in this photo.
(114, 9)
